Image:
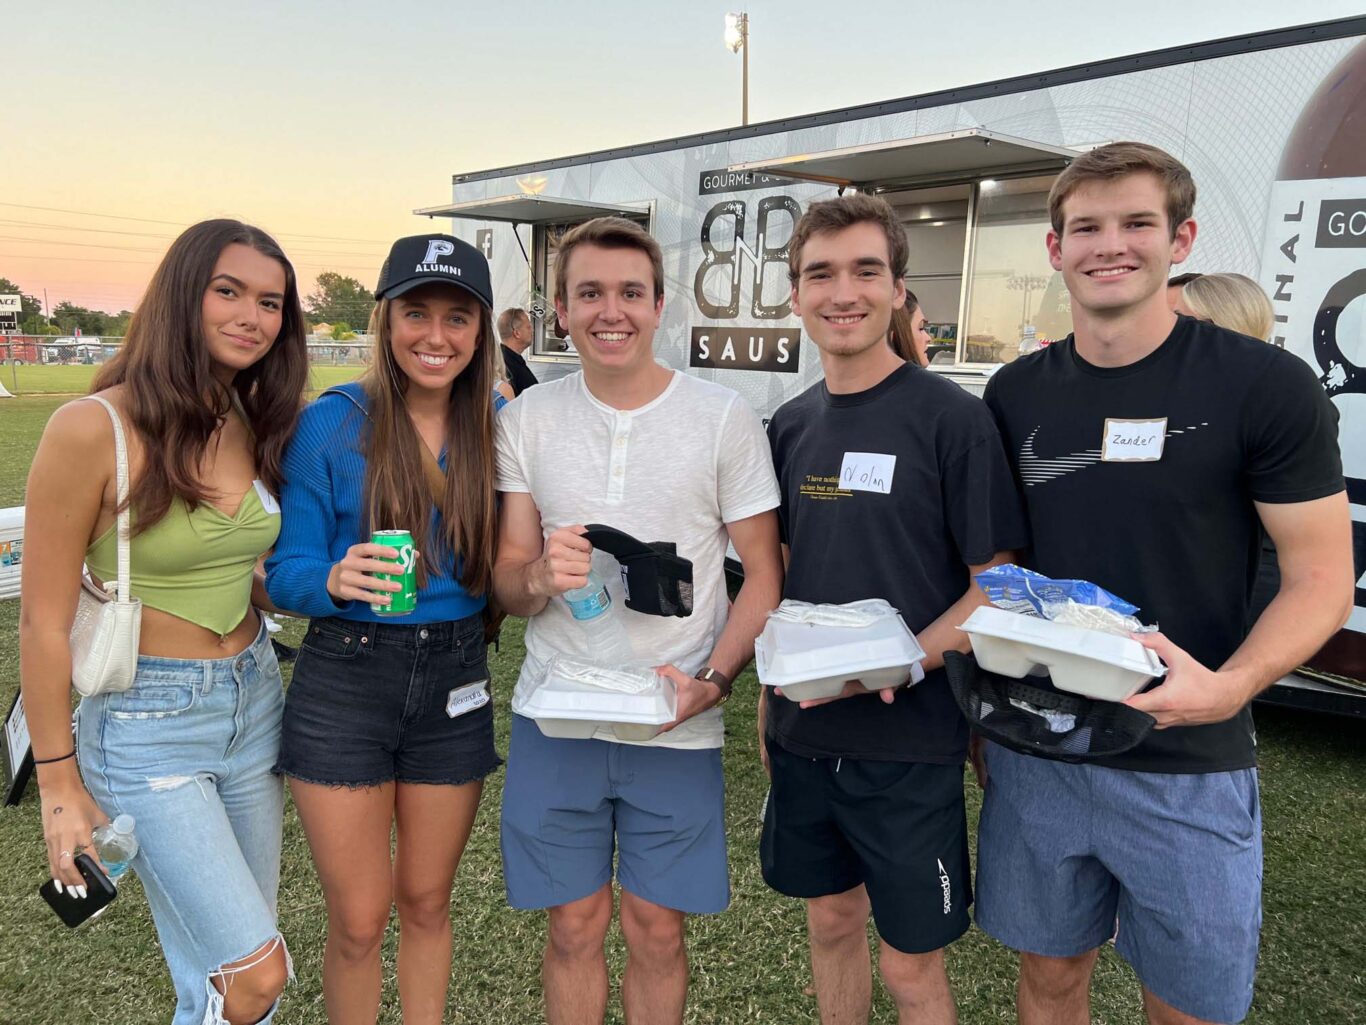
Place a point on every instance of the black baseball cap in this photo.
(420, 259)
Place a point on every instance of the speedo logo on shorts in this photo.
(944, 885)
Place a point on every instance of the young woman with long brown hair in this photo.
(388, 719)
(206, 387)
(908, 337)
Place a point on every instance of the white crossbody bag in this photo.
(104, 634)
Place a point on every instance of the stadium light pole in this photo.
(737, 39)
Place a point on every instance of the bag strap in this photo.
(125, 581)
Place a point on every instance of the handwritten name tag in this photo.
(1133, 441)
(467, 698)
(867, 471)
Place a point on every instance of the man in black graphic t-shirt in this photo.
(1150, 448)
(894, 486)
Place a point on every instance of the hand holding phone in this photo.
(75, 910)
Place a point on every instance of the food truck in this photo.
(1271, 124)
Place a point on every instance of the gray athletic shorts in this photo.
(1064, 852)
(568, 805)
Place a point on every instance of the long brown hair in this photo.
(171, 396)
(902, 335)
(396, 491)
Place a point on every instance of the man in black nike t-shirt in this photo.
(1150, 449)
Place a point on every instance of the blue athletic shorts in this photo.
(1065, 853)
(568, 803)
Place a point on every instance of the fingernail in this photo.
(59, 885)
(80, 891)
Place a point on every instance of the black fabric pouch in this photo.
(1045, 723)
(658, 582)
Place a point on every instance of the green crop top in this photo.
(196, 565)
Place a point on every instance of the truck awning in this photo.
(961, 155)
(527, 209)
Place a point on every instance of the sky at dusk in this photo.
(328, 123)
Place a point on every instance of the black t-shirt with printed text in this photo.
(1142, 479)
(928, 493)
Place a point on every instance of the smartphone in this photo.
(73, 910)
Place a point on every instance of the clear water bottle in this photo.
(117, 845)
(604, 635)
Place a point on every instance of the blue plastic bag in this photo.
(1017, 589)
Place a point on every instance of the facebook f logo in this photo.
(437, 248)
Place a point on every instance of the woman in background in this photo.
(1233, 301)
(908, 337)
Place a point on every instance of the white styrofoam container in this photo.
(573, 709)
(813, 660)
(1091, 663)
(11, 550)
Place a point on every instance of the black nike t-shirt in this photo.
(888, 493)
(1142, 479)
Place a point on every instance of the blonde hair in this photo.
(1232, 301)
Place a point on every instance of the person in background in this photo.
(207, 385)
(1232, 301)
(908, 337)
(514, 329)
(388, 725)
(1175, 284)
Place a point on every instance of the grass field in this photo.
(749, 964)
(75, 380)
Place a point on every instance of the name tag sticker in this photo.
(867, 471)
(467, 698)
(268, 502)
(1133, 441)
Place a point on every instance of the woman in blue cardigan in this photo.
(388, 720)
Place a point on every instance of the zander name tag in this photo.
(1133, 441)
(867, 471)
(467, 698)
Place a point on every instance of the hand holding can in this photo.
(367, 574)
(403, 572)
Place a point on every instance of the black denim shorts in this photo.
(374, 702)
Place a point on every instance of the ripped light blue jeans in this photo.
(188, 751)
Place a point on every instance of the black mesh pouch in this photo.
(658, 582)
(993, 704)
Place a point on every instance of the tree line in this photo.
(337, 300)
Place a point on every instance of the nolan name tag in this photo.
(867, 471)
(467, 698)
(1133, 441)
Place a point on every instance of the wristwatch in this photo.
(709, 675)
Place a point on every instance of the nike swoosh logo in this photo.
(1036, 470)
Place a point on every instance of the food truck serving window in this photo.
(974, 204)
(1014, 301)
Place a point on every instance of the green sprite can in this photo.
(404, 601)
